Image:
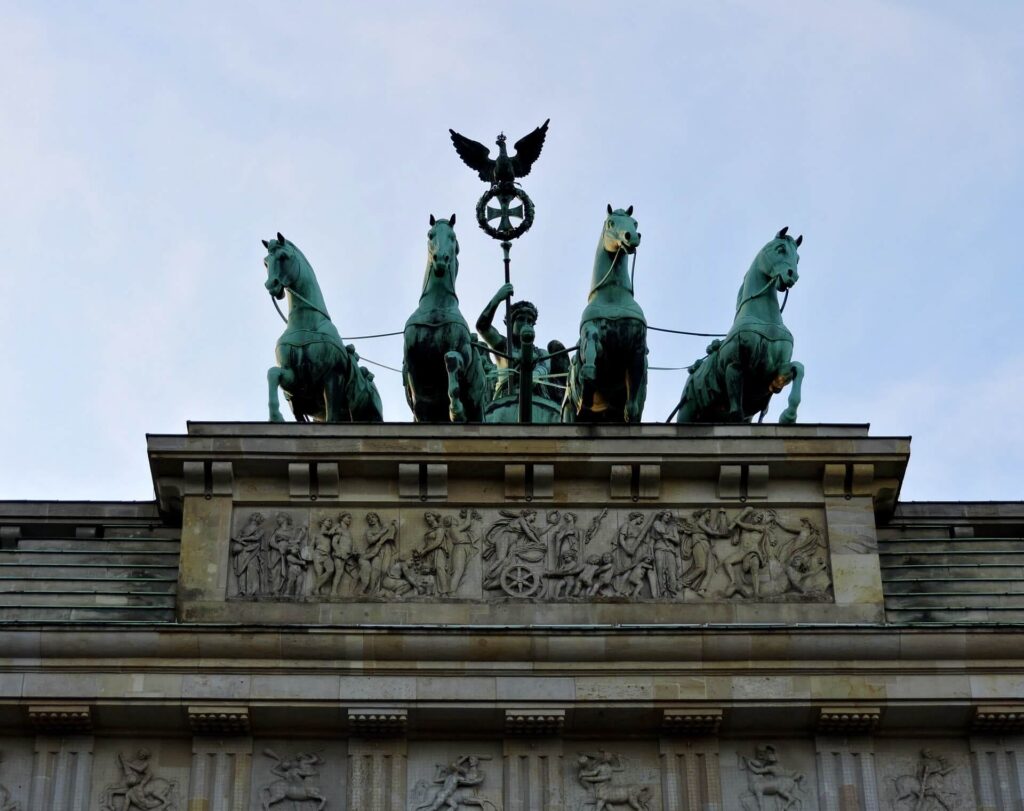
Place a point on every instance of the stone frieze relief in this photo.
(758, 554)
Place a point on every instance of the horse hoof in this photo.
(275, 416)
(787, 417)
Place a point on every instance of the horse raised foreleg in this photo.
(278, 376)
(796, 374)
(456, 411)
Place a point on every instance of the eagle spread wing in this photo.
(527, 150)
(475, 155)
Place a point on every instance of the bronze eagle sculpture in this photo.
(503, 170)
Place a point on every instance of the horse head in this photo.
(282, 266)
(620, 232)
(778, 260)
(442, 248)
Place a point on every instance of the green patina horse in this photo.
(443, 373)
(320, 376)
(608, 376)
(754, 361)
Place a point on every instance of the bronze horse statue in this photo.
(742, 371)
(442, 370)
(608, 376)
(320, 375)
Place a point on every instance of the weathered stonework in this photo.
(790, 649)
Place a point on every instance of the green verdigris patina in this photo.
(548, 371)
(320, 375)
(442, 370)
(608, 376)
(754, 361)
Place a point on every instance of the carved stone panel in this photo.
(702, 554)
(462, 776)
(15, 773)
(616, 776)
(298, 775)
(768, 775)
(925, 775)
(140, 775)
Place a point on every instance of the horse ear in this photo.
(265, 244)
(782, 233)
(799, 240)
(432, 220)
(280, 238)
(451, 222)
(629, 211)
(609, 208)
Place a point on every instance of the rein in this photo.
(301, 298)
(611, 268)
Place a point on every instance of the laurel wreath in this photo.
(495, 233)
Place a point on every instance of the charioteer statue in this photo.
(548, 371)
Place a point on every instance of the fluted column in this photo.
(846, 773)
(221, 774)
(690, 774)
(533, 774)
(62, 773)
(377, 774)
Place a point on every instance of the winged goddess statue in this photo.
(501, 172)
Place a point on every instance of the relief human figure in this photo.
(511, 536)
(566, 539)
(247, 557)
(139, 790)
(596, 773)
(277, 549)
(664, 531)
(766, 778)
(926, 790)
(435, 554)
(293, 773)
(459, 783)
(402, 578)
(633, 546)
(750, 534)
(696, 549)
(323, 563)
(295, 562)
(597, 577)
(347, 561)
(464, 538)
(379, 549)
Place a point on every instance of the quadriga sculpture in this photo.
(742, 371)
(444, 376)
(320, 376)
(608, 376)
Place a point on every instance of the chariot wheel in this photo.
(520, 581)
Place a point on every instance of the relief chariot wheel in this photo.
(520, 581)
(513, 204)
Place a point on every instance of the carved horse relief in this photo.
(320, 376)
(608, 376)
(742, 371)
(443, 374)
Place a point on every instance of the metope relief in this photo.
(770, 785)
(294, 782)
(6, 803)
(549, 555)
(456, 786)
(138, 788)
(928, 787)
(598, 774)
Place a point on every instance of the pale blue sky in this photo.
(146, 148)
